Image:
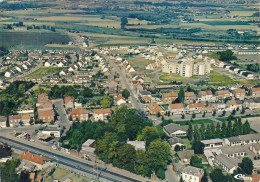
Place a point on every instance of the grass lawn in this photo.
(220, 79)
(139, 63)
(58, 174)
(187, 143)
(43, 72)
(79, 178)
(175, 77)
(65, 46)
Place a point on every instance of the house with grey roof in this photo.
(175, 130)
(232, 141)
(228, 164)
(185, 155)
(174, 141)
(250, 138)
(193, 174)
(213, 143)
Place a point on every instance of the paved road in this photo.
(135, 101)
(170, 175)
(62, 114)
(60, 158)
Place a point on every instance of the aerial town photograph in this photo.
(129, 91)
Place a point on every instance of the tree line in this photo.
(225, 130)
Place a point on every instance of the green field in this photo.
(32, 39)
(176, 77)
(44, 71)
(220, 79)
(139, 63)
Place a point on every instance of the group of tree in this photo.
(217, 175)
(78, 92)
(226, 56)
(106, 102)
(124, 124)
(124, 22)
(5, 150)
(8, 171)
(3, 51)
(254, 67)
(12, 97)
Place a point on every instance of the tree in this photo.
(106, 102)
(181, 94)
(124, 22)
(125, 93)
(196, 161)
(198, 147)
(193, 115)
(190, 131)
(204, 114)
(160, 174)
(223, 129)
(8, 171)
(149, 134)
(246, 166)
(246, 128)
(216, 175)
(218, 131)
(226, 56)
(159, 154)
(142, 166)
(229, 129)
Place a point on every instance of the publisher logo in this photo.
(243, 177)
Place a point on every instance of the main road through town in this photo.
(70, 161)
(122, 76)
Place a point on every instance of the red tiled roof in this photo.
(176, 106)
(33, 158)
(78, 111)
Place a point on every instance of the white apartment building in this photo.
(187, 68)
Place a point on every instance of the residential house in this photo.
(239, 94)
(168, 98)
(192, 174)
(102, 114)
(190, 96)
(28, 159)
(196, 107)
(176, 109)
(119, 100)
(154, 109)
(174, 141)
(212, 143)
(185, 156)
(255, 148)
(223, 94)
(253, 103)
(255, 92)
(46, 115)
(233, 105)
(175, 130)
(69, 102)
(45, 105)
(206, 96)
(147, 99)
(79, 114)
